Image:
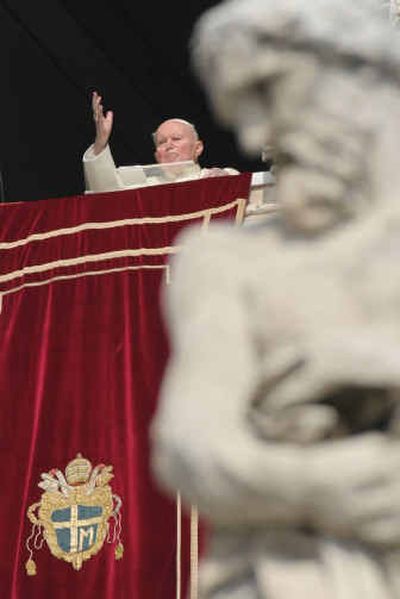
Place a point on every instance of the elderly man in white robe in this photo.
(176, 142)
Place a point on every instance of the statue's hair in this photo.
(178, 120)
(356, 30)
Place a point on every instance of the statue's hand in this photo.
(354, 487)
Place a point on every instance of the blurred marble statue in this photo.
(279, 412)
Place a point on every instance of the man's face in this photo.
(175, 142)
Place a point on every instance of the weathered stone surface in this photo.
(279, 411)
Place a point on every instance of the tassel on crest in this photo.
(119, 551)
(30, 567)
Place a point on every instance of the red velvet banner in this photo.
(82, 355)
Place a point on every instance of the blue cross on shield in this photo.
(76, 527)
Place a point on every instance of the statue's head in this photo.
(302, 77)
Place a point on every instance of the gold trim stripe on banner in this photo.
(241, 211)
(104, 256)
(90, 273)
(88, 258)
(6, 245)
(194, 553)
(194, 550)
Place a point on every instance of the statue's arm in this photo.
(203, 445)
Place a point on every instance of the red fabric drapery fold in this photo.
(82, 355)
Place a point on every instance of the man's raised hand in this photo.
(103, 123)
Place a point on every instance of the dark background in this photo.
(55, 52)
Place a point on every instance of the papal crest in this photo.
(76, 513)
